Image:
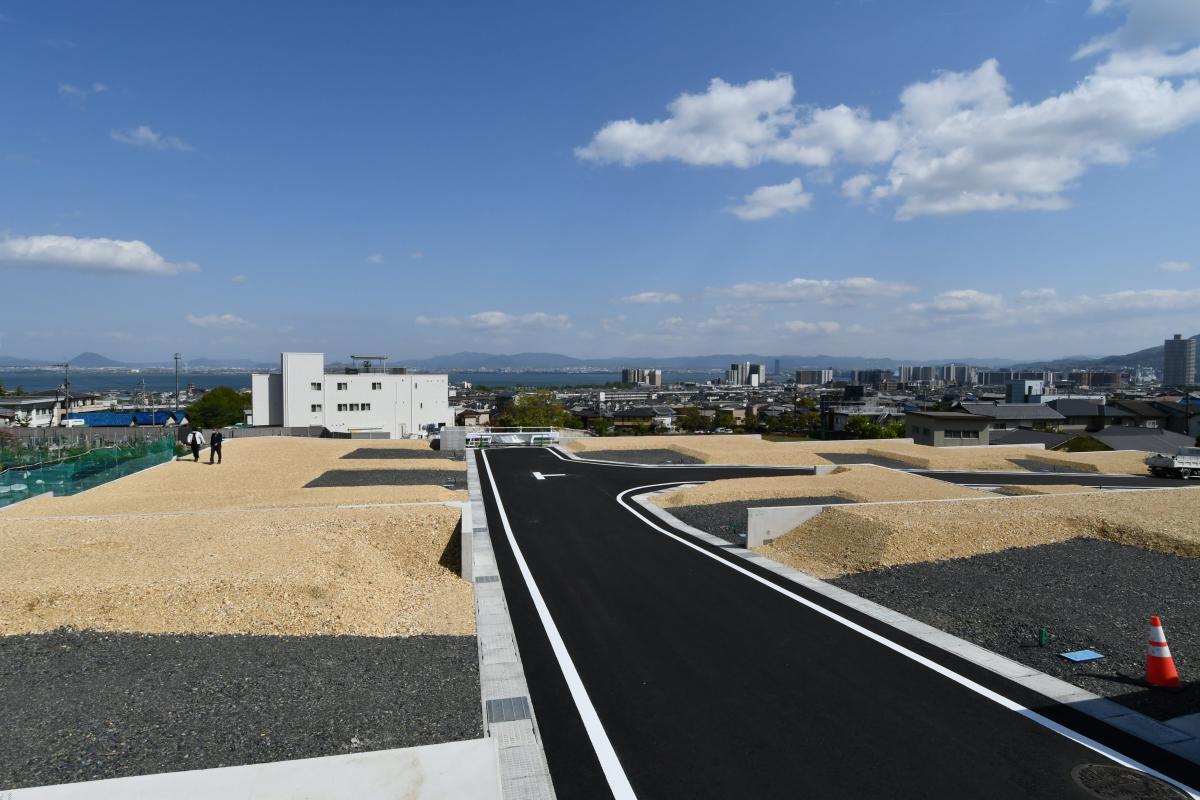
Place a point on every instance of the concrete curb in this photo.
(1172, 739)
(508, 715)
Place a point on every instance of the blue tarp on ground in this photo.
(123, 419)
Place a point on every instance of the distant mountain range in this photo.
(90, 360)
(536, 361)
(466, 361)
(1150, 357)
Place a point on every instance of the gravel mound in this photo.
(730, 520)
(381, 453)
(647, 456)
(447, 479)
(858, 483)
(863, 458)
(82, 705)
(852, 539)
(1087, 593)
(361, 571)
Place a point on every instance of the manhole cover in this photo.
(1118, 783)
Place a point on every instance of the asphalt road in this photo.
(658, 670)
(1052, 479)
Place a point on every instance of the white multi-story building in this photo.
(367, 398)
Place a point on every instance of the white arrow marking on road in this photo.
(542, 477)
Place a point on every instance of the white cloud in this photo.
(375, 258)
(845, 291)
(500, 320)
(854, 188)
(81, 92)
(744, 125)
(651, 298)
(963, 301)
(238, 279)
(827, 328)
(87, 255)
(1039, 294)
(958, 142)
(1174, 266)
(1149, 25)
(147, 137)
(768, 201)
(218, 321)
(417, 255)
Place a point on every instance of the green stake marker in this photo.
(1043, 637)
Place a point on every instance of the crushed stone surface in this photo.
(395, 453)
(262, 472)
(849, 539)
(365, 571)
(81, 705)
(646, 456)
(854, 483)
(1057, 488)
(1087, 593)
(445, 478)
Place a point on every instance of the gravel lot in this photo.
(849, 539)
(390, 477)
(863, 458)
(83, 705)
(381, 453)
(267, 472)
(729, 520)
(648, 456)
(859, 483)
(1088, 593)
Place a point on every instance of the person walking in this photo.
(196, 440)
(214, 446)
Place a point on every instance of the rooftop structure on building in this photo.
(368, 399)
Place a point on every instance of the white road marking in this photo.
(995, 697)
(618, 783)
(542, 476)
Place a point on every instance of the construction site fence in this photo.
(65, 462)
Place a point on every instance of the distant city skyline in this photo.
(898, 179)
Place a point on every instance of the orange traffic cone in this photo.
(1160, 667)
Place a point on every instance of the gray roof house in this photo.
(1014, 415)
(1151, 440)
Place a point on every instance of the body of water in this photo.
(41, 380)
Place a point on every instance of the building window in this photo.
(376, 386)
(970, 434)
(952, 434)
(316, 386)
(316, 407)
(354, 406)
(343, 387)
(366, 406)
(422, 405)
(341, 406)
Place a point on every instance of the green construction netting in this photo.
(63, 467)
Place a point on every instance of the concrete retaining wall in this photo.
(766, 524)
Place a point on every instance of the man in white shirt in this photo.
(196, 440)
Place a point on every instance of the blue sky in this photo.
(908, 179)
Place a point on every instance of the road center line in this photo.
(979, 689)
(618, 783)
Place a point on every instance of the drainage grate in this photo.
(508, 709)
(487, 579)
(1117, 783)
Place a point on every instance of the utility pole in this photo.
(177, 357)
(66, 388)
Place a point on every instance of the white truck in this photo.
(1184, 464)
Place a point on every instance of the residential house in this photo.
(1005, 416)
(948, 428)
(1087, 415)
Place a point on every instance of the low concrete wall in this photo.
(766, 524)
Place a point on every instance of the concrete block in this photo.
(434, 772)
(770, 523)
